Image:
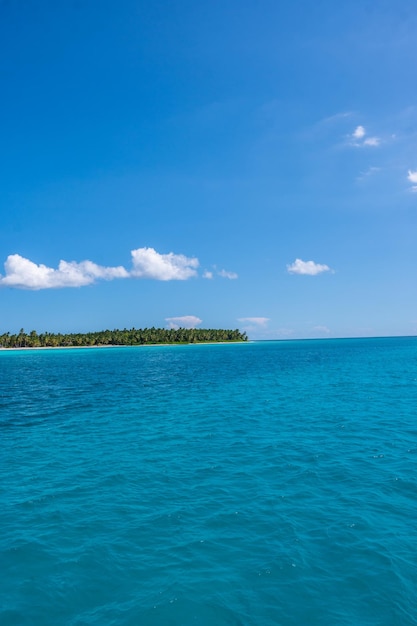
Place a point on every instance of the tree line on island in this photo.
(125, 337)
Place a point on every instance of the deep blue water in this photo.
(271, 483)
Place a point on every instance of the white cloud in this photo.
(332, 119)
(372, 141)
(257, 321)
(369, 172)
(255, 326)
(229, 275)
(412, 176)
(359, 132)
(222, 273)
(148, 263)
(308, 268)
(322, 330)
(357, 138)
(184, 321)
(284, 332)
(326, 125)
(24, 274)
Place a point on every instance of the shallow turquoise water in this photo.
(273, 483)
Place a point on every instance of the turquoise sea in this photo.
(259, 484)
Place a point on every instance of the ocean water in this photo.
(269, 483)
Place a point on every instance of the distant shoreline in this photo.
(118, 337)
(142, 345)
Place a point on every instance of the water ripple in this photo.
(269, 483)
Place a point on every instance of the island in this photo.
(125, 337)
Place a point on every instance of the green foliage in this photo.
(132, 337)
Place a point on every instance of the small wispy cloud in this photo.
(412, 177)
(284, 332)
(260, 322)
(307, 268)
(369, 172)
(210, 274)
(335, 118)
(183, 321)
(357, 138)
(226, 274)
(328, 123)
(255, 326)
(372, 141)
(322, 330)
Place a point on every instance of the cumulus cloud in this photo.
(260, 322)
(357, 138)
(359, 132)
(308, 268)
(226, 274)
(22, 273)
(184, 321)
(148, 263)
(412, 177)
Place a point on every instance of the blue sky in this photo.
(240, 164)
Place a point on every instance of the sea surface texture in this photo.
(267, 484)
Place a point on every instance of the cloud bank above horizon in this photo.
(147, 263)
